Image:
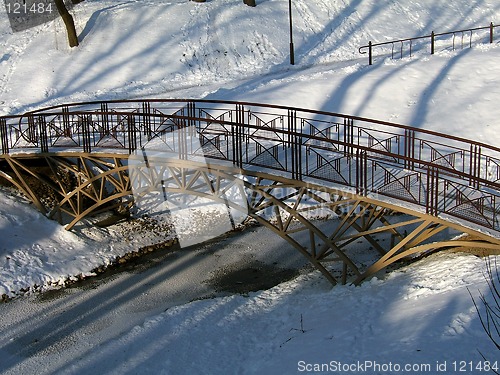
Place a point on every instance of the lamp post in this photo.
(292, 52)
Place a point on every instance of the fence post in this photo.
(432, 43)
(370, 61)
(491, 32)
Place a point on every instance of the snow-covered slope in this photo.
(222, 49)
(156, 48)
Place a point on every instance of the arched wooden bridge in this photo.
(394, 191)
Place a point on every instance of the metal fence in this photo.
(459, 38)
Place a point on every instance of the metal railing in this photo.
(431, 38)
(437, 173)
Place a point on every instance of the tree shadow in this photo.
(57, 322)
(401, 318)
(90, 24)
(426, 97)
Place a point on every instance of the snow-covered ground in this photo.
(223, 49)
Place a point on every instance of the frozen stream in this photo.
(101, 309)
(112, 323)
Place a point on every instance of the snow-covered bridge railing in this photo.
(441, 174)
(383, 181)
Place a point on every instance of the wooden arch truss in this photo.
(346, 236)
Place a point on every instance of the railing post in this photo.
(42, 129)
(3, 136)
(66, 123)
(361, 172)
(409, 151)
(491, 32)
(87, 148)
(431, 202)
(65, 116)
(432, 42)
(146, 119)
(238, 136)
(132, 133)
(370, 57)
(31, 131)
(295, 145)
(105, 119)
(182, 143)
(348, 137)
(290, 124)
(475, 165)
(191, 108)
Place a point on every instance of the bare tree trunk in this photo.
(68, 21)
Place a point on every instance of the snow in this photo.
(221, 49)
